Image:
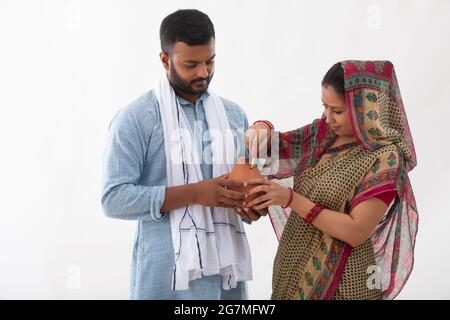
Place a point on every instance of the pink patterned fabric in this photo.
(395, 237)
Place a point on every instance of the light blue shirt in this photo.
(134, 183)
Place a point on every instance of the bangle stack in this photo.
(313, 213)
(291, 196)
(268, 123)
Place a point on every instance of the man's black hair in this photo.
(190, 26)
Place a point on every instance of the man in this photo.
(162, 169)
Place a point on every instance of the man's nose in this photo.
(202, 71)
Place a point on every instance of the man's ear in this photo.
(164, 56)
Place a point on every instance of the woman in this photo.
(349, 168)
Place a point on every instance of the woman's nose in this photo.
(329, 119)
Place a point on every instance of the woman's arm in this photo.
(353, 228)
(287, 149)
(259, 140)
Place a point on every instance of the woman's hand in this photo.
(257, 140)
(274, 194)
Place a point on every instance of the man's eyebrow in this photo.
(193, 61)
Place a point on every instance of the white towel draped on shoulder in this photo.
(205, 242)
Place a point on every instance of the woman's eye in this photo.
(338, 112)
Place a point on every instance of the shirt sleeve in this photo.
(123, 162)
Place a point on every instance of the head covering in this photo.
(384, 121)
(378, 118)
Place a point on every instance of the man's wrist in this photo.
(194, 193)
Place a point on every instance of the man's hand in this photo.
(215, 193)
(251, 214)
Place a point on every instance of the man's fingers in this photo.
(243, 214)
(234, 195)
(231, 202)
(251, 214)
(262, 212)
(224, 205)
(232, 183)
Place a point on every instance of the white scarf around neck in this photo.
(205, 241)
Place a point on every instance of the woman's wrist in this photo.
(288, 198)
(313, 213)
(266, 122)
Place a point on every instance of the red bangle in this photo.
(265, 122)
(313, 213)
(291, 196)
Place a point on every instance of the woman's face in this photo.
(336, 112)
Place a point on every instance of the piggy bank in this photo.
(244, 172)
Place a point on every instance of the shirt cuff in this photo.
(157, 196)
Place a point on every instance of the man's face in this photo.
(190, 68)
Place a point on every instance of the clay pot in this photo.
(243, 172)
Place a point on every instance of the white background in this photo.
(66, 67)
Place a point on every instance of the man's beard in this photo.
(187, 87)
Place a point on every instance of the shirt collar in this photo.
(184, 102)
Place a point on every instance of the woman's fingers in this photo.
(258, 181)
(257, 189)
(253, 143)
(263, 205)
(258, 200)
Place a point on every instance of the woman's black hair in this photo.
(335, 78)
